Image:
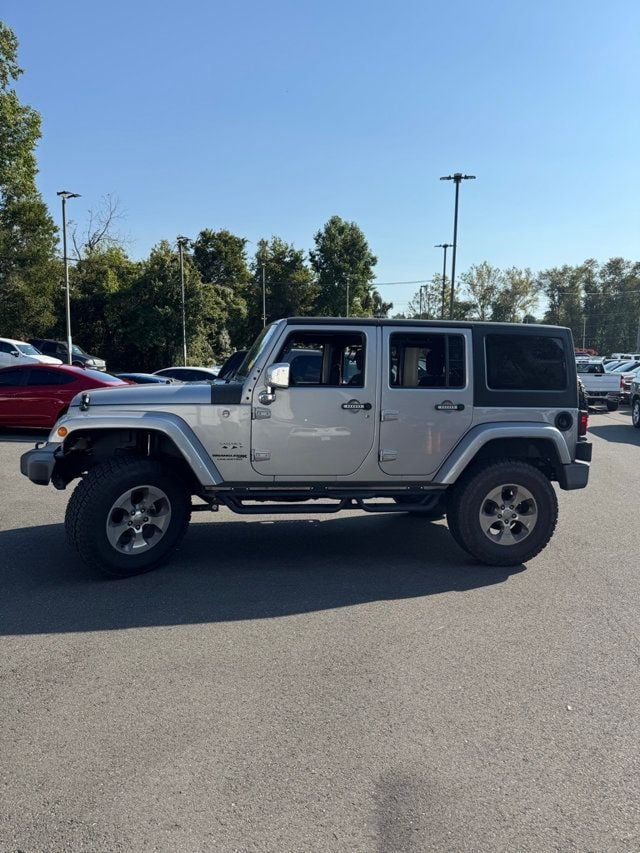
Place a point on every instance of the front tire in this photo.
(635, 412)
(127, 515)
(503, 513)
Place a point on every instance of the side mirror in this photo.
(276, 376)
(15, 353)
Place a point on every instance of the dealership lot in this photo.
(341, 683)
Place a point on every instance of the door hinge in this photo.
(261, 455)
(388, 455)
(258, 414)
(389, 415)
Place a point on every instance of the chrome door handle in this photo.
(448, 406)
(356, 406)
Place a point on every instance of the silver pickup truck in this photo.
(472, 420)
(600, 388)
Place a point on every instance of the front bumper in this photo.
(38, 464)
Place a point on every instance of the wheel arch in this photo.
(542, 445)
(90, 442)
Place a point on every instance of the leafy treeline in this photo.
(599, 302)
(129, 311)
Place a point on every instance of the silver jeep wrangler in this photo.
(472, 420)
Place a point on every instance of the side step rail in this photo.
(237, 505)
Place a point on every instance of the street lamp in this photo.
(444, 246)
(457, 178)
(64, 195)
(182, 242)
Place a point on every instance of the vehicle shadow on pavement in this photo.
(23, 436)
(235, 570)
(617, 433)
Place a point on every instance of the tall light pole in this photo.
(457, 178)
(64, 195)
(264, 296)
(444, 246)
(182, 242)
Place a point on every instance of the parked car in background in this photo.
(626, 378)
(58, 349)
(37, 395)
(14, 352)
(600, 387)
(189, 374)
(634, 395)
(231, 365)
(145, 378)
(629, 356)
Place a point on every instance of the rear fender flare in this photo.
(464, 452)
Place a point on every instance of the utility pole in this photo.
(182, 242)
(457, 178)
(64, 195)
(584, 331)
(264, 296)
(638, 337)
(347, 314)
(444, 246)
(420, 291)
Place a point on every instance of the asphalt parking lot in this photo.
(342, 683)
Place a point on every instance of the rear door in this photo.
(427, 398)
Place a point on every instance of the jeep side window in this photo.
(525, 363)
(426, 361)
(327, 359)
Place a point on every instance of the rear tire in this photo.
(612, 406)
(121, 543)
(635, 412)
(494, 531)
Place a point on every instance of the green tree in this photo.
(483, 284)
(343, 264)
(29, 274)
(517, 296)
(150, 312)
(289, 285)
(221, 261)
(562, 287)
(101, 283)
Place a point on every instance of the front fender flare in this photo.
(464, 452)
(175, 428)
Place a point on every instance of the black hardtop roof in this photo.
(429, 324)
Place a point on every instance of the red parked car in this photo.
(36, 395)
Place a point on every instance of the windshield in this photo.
(260, 344)
(103, 377)
(76, 350)
(622, 368)
(27, 349)
(590, 368)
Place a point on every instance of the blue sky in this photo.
(267, 118)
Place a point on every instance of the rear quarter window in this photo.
(525, 363)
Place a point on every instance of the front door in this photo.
(427, 398)
(323, 425)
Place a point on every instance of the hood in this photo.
(46, 359)
(143, 396)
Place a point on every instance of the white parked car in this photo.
(20, 352)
